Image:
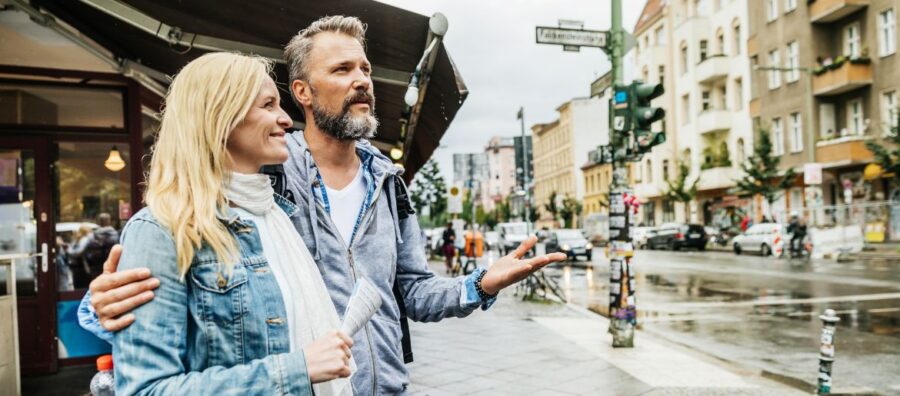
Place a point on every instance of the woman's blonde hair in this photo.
(208, 98)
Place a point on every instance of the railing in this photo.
(878, 221)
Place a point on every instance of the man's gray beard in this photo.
(344, 126)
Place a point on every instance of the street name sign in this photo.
(571, 37)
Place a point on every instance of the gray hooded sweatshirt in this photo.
(385, 246)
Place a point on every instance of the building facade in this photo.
(561, 148)
(501, 167)
(838, 90)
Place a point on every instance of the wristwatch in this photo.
(481, 293)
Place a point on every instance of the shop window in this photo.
(29, 104)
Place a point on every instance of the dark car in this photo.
(674, 236)
(570, 242)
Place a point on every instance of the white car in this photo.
(639, 236)
(765, 238)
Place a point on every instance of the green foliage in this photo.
(571, 208)
(428, 189)
(551, 207)
(888, 157)
(761, 171)
(678, 189)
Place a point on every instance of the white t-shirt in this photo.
(345, 204)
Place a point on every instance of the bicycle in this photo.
(539, 284)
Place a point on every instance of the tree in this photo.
(679, 190)
(761, 171)
(551, 207)
(429, 190)
(571, 208)
(888, 158)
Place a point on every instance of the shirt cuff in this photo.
(89, 320)
(469, 295)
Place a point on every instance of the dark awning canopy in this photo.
(396, 41)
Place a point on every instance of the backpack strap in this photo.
(404, 209)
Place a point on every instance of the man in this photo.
(354, 214)
(447, 246)
(797, 229)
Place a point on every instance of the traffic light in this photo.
(643, 115)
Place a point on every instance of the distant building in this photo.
(501, 168)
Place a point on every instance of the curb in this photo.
(793, 382)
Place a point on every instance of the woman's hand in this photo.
(328, 357)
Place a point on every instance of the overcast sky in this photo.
(492, 44)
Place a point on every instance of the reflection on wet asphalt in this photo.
(762, 311)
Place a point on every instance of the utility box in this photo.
(9, 324)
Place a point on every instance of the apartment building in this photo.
(839, 90)
(561, 147)
(597, 179)
(500, 155)
(652, 57)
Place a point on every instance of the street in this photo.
(762, 312)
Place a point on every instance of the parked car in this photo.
(674, 236)
(639, 236)
(764, 238)
(571, 242)
(511, 235)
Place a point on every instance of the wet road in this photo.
(763, 312)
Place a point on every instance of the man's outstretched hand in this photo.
(512, 268)
(115, 294)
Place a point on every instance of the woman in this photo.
(241, 307)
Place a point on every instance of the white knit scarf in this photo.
(311, 312)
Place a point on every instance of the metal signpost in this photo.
(630, 118)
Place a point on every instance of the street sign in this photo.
(812, 174)
(571, 37)
(454, 200)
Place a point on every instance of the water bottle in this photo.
(103, 383)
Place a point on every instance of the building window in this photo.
(889, 112)
(774, 75)
(887, 28)
(684, 58)
(737, 38)
(703, 50)
(668, 211)
(662, 75)
(738, 94)
(796, 133)
(637, 173)
(665, 170)
(739, 155)
(790, 5)
(649, 172)
(685, 109)
(771, 10)
(660, 34)
(851, 40)
(705, 101)
(722, 97)
(855, 117)
(793, 60)
(777, 137)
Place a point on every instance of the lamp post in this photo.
(527, 203)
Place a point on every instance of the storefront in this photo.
(68, 144)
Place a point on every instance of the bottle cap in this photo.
(105, 363)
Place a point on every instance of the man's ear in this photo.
(302, 92)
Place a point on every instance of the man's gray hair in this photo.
(296, 52)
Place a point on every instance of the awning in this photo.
(396, 41)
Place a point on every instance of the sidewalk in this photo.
(550, 349)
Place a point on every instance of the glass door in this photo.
(26, 231)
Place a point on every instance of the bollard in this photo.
(826, 350)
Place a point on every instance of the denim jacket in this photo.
(211, 333)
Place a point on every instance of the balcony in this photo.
(710, 121)
(827, 11)
(647, 190)
(843, 150)
(712, 69)
(717, 178)
(842, 77)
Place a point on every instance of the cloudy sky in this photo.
(492, 44)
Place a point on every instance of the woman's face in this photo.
(259, 139)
